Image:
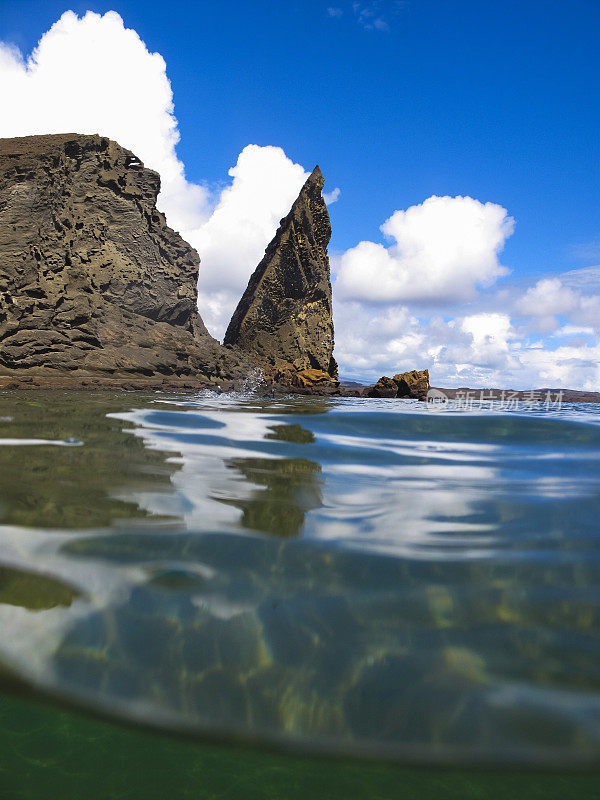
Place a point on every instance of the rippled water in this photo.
(334, 576)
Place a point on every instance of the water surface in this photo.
(337, 577)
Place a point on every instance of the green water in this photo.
(234, 597)
(48, 753)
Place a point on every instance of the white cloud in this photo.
(334, 12)
(444, 248)
(490, 334)
(470, 349)
(550, 299)
(478, 350)
(372, 342)
(574, 330)
(547, 298)
(11, 62)
(570, 366)
(332, 197)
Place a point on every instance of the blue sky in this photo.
(397, 101)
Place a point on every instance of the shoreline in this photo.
(189, 384)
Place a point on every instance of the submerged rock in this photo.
(284, 319)
(92, 279)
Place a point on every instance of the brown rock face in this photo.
(385, 387)
(284, 319)
(92, 279)
(413, 384)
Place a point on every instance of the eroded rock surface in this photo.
(413, 385)
(284, 319)
(385, 387)
(92, 279)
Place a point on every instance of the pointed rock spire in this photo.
(284, 319)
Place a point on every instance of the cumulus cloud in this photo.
(477, 350)
(456, 350)
(568, 366)
(550, 300)
(371, 342)
(548, 297)
(441, 251)
(490, 338)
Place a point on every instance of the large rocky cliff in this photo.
(93, 282)
(92, 279)
(284, 318)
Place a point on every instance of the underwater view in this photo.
(233, 596)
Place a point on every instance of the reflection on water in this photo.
(35, 592)
(291, 488)
(72, 487)
(341, 575)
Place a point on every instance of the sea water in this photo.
(230, 596)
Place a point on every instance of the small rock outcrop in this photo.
(284, 319)
(385, 387)
(413, 385)
(92, 279)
